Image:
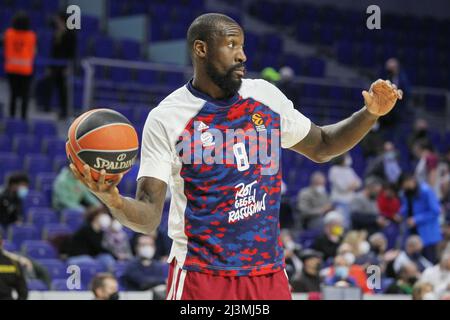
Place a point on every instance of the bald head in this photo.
(208, 27)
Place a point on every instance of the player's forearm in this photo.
(138, 215)
(344, 135)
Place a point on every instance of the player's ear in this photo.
(200, 48)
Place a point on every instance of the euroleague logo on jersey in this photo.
(258, 121)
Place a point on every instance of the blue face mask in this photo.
(22, 192)
(341, 272)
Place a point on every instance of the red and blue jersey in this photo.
(221, 160)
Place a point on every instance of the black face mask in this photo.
(376, 250)
(114, 296)
(411, 192)
(412, 280)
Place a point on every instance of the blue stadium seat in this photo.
(37, 163)
(51, 230)
(55, 267)
(5, 143)
(43, 179)
(35, 199)
(9, 246)
(72, 218)
(38, 249)
(15, 126)
(42, 128)
(147, 76)
(36, 285)
(27, 144)
(104, 47)
(59, 162)
(19, 234)
(130, 49)
(10, 162)
(38, 217)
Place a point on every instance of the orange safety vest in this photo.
(20, 49)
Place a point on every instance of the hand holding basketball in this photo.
(381, 97)
(105, 190)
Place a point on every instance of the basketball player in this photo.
(224, 217)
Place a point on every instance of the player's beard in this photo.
(226, 82)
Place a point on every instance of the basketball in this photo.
(102, 139)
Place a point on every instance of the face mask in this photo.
(116, 226)
(22, 192)
(290, 245)
(412, 280)
(349, 257)
(429, 296)
(341, 272)
(146, 252)
(320, 189)
(348, 161)
(364, 247)
(114, 296)
(337, 231)
(390, 155)
(104, 221)
(376, 250)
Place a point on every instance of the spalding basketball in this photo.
(102, 139)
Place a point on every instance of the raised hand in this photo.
(381, 97)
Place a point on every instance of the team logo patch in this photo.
(258, 121)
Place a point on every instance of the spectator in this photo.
(11, 199)
(371, 143)
(70, 193)
(144, 272)
(439, 275)
(20, 50)
(389, 206)
(412, 253)
(333, 230)
(340, 274)
(309, 280)
(356, 271)
(117, 242)
(359, 248)
(63, 50)
(32, 270)
(286, 212)
(291, 250)
(426, 169)
(344, 183)
(420, 209)
(313, 202)
(423, 291)
(397, 76)
(87, 244)
(407, 277)
(385, 166)
(11, 277)
(443, 180)
(420, 134)
(104, 286)
(382, 257)
(364, 209)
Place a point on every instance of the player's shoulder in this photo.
(256, 85)
(177, 103)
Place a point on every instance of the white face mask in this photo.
(349, 257)
(116, 226)
(364, 247)
(348, 161)
(146, 252)
(320, 189)
(104, 221)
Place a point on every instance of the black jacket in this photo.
(86, 241)
(10, 208)
(11, 278)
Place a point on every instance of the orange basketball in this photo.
(102, 139)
